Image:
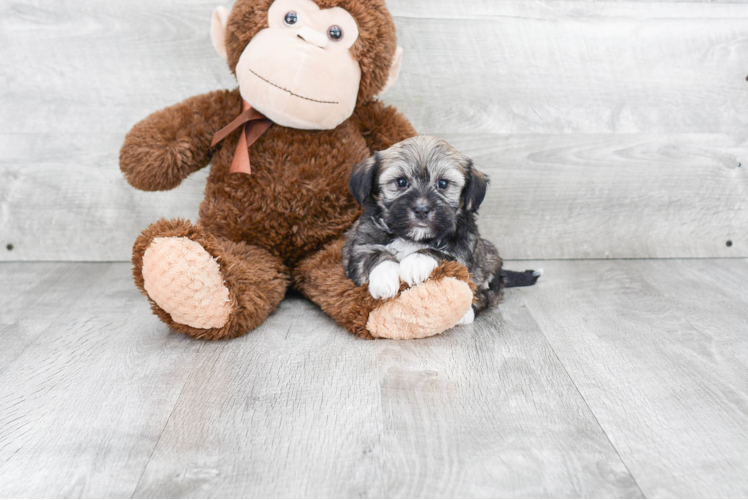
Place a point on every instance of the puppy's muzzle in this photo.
(422, 211)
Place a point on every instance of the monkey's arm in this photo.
(167, 146)
(382, 125)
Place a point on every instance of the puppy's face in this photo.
(420, 187)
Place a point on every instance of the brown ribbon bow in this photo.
(255, 124)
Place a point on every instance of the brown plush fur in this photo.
(323, 277)
(271, 224)
(373, 50)
(257, 281)
(168, 145)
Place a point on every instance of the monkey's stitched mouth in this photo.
(286, 90)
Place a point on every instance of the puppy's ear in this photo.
(475, 188)
(363, 177)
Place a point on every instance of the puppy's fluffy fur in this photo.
(420, 199)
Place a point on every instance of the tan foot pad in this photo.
(422, 311)
(186, 282)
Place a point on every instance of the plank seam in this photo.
(382, 457)
(62, 314)
(555, 355)
(168, 419)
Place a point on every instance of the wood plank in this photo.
(669, 71)
(291, 410)
(657, 397)
(78, 206)
(556, 196)
(553, 9)
(35, 295)
(503, 67)
(657, 349)
(77, 68)
(729, 277)
(613, 196)
(82, 408)
(488, 411)
(268, 414)
(572, 67)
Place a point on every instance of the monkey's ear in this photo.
(475, 188)
(363, 177)
(397, 64)
(218, 30)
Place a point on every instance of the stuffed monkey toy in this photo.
(281, 148)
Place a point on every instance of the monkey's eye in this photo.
(402, 182)
(291, 18)
(443, 184)
(335, 33)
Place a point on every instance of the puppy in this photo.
(420, 199)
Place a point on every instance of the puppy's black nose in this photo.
(421, 211)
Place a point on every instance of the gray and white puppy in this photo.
(420, 199)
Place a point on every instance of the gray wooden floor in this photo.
(612, 378)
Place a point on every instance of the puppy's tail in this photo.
(514, 279)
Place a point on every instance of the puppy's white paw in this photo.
(416, 267)
(384, 280)
(468, 318)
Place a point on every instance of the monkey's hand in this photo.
(167, 146)
(416, 268)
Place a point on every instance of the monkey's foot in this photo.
(424, 310)
(206, 287)
(186, 282)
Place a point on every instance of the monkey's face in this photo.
(299, 71)
(307, 63)
(419, 187)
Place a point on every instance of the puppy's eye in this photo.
(291, 18)
(335, 33)
(402, 182)
(442, 184)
